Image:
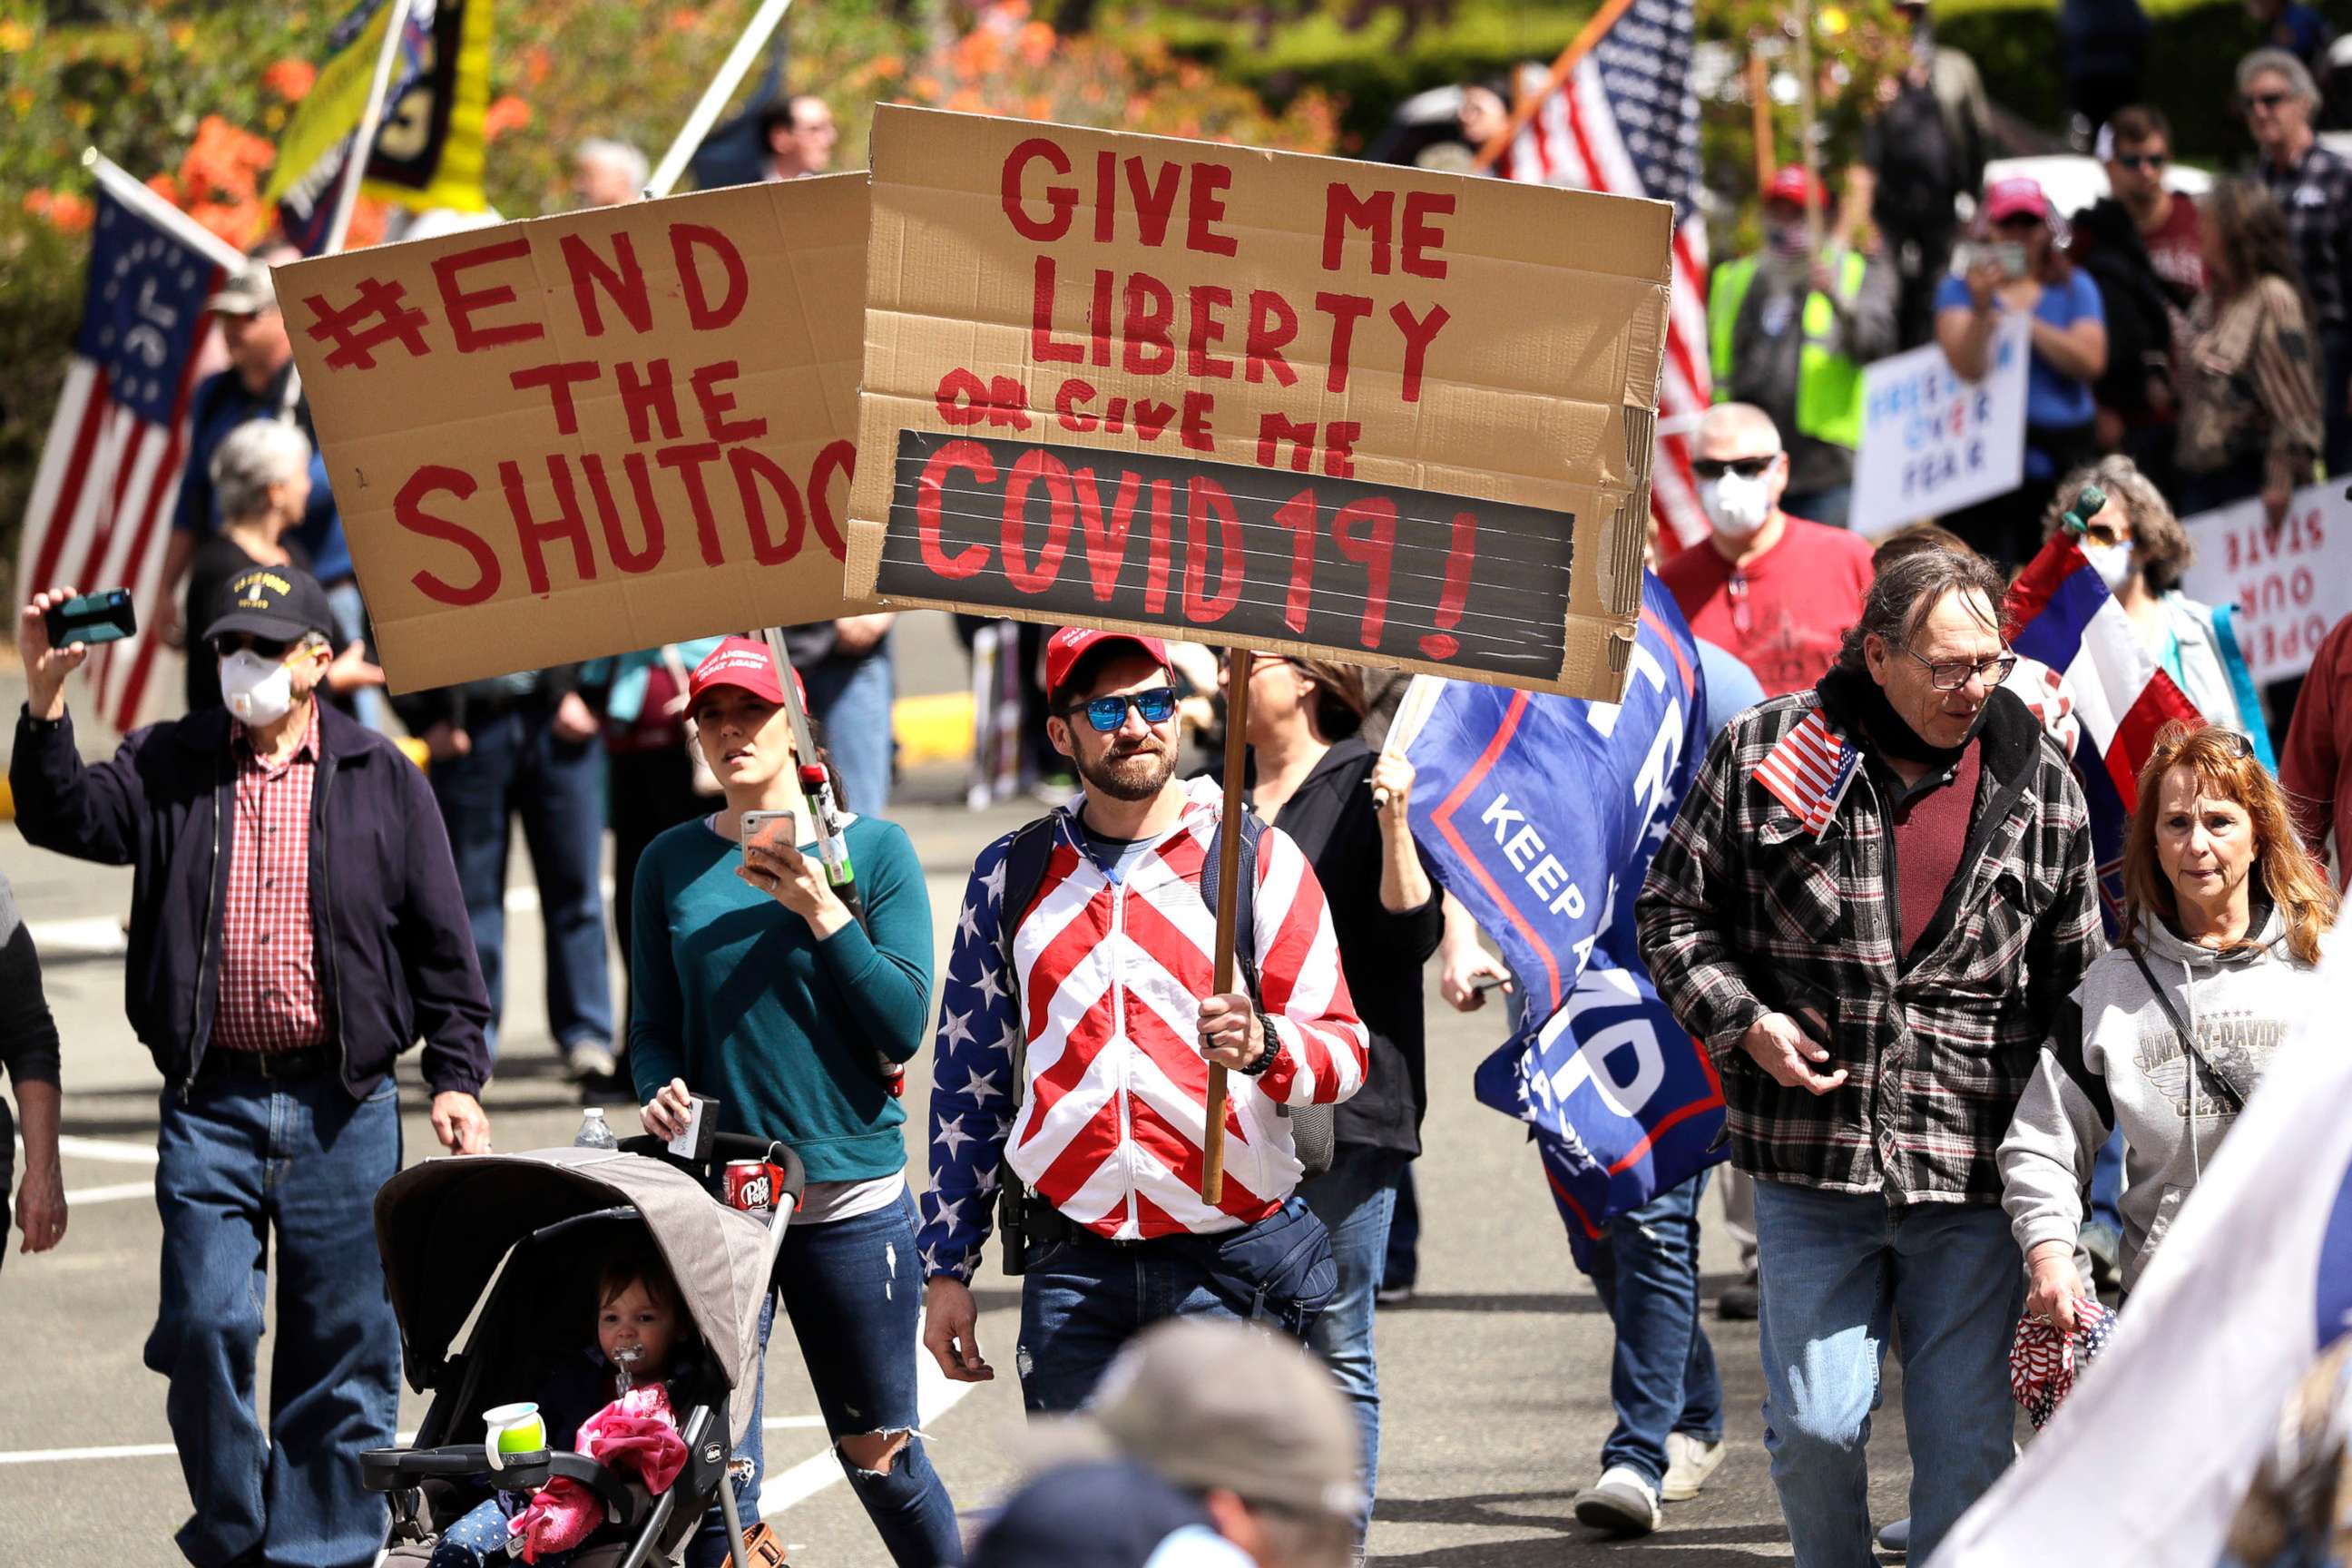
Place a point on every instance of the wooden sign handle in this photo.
(1229, 874)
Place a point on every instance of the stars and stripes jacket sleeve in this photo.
(1324, 1047)
(973, 1093)
(1685, 911)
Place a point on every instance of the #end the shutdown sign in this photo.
(576, 435)
(1258, 399)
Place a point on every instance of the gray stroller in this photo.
(491, 1249)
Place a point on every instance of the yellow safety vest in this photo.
(1829, 385)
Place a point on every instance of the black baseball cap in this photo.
(281, 601)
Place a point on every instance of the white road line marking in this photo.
(106, 1150)
(167, 1450)
(120, 1193)
(934, 1397)
(92, 936)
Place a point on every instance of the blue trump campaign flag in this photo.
(1541, 814)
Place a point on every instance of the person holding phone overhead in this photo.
(756, 981)
(1870, 910)
(2018, 268)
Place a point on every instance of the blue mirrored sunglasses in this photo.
(1108, 713)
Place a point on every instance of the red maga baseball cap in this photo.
(1793, 184)
(745, 662)
(1066, 646)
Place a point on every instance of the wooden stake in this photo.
(1804, 24)
(1760, 111)
(1229, 875)
(1525, 109)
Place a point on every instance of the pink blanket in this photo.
(636, 1432)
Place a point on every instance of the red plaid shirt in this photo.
(270, 995)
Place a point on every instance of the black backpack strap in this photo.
(1245, 896)
(1025, 859)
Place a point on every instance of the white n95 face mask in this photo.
(1737, 506)
(257, 690)
(2112, 562)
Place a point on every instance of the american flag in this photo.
(101, 512)
(1626, 122)
(1808, 771)
(1110, 1124)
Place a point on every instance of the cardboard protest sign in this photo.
(2290, 589)
(1258, 399)
(588, 434)
(1932, 443)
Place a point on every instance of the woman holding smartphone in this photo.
(756, 983)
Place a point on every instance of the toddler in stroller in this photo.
(643, 1339)
(494, 1263)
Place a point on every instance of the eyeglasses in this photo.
(1951, 674)
(2141, 160)
(238, 642)
(2105, 533)
(2265, 101)
(1746, 468)
(2020, 221)
(2175, 737)
(1156, 706)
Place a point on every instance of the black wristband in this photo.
(1272, 1043)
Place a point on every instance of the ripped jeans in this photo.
(853, 1289)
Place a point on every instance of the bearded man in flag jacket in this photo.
(1870, 907)
(1082, 1076)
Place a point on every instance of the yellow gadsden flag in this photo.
(429, 147)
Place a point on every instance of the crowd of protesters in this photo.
(1914, 1139)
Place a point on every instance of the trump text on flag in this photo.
(582, 434)
(1258, 399)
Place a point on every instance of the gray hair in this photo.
(2159, 543)
(1735, 417)
(1907, 588)
(604, 150)
(254, 456)
(2267, 62)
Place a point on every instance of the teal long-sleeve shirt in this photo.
(734, 993)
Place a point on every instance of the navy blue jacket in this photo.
(395, 953)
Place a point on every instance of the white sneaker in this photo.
(1689, 1462)
(1620, 1502)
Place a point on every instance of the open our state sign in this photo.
(1258, 399)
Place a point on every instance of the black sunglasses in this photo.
(229, 643)
(1108, 713)
(2136, 161)
(2254, 101)
(1746, 468)
(1951, 674)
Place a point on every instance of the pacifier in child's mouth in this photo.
(626, 1358)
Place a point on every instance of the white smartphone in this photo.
(755, 825)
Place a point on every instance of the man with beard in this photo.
(1077, 1027)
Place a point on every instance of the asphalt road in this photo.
(1496, 1378)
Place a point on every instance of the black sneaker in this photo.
(1737, 1303)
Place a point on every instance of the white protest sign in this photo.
(2290, 587)
(1933, 443)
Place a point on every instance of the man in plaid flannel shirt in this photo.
(1869, 909)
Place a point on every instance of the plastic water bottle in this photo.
(593, 1133)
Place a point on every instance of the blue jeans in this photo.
(239, 1160)
(1839, 1271)
(854, 1291)
(518, 768)
(851, 697)
(1400, 1270)
(344, 604)
(2107, 1187)
(1355, 1199)
(1082, 1300)
(1662, 1376)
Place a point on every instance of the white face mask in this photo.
(2112, 562)
(1735, 506)
(257, 690)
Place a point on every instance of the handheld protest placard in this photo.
(585, 435)
(1260, 399)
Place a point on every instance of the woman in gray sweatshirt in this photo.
(2167, 1035)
